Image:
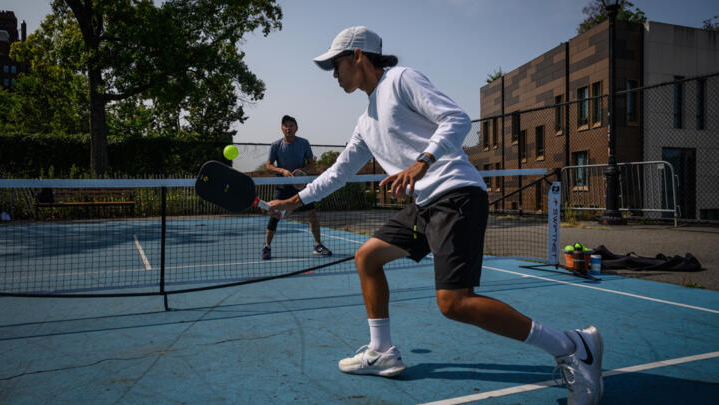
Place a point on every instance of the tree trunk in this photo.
(91, 25)
(98, 127)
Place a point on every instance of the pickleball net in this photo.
(155, 236)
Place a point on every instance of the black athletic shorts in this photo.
(285, 192)
(451, 227)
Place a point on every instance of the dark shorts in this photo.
(452, 227)
(283, 193)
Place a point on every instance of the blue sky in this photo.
(456, 43)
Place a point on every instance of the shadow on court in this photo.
(279, 342)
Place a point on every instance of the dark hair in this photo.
(288, 118)
(382, 61)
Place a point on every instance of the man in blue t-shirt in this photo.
(289, 157)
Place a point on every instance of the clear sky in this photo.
(456, 43)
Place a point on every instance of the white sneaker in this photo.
(370, 361)
(583, 377)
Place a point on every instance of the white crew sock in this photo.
(379, 334)
(552, 341)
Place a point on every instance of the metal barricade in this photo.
(647, 189)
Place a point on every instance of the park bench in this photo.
(85, 197)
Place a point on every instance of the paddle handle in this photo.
(263, 205)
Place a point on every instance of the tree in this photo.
(262, 168)
(328, 158)
(596, 14)
(52, 96)
(710, 25)
(181, 56)
(495, 75)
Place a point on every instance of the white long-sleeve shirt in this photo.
(406, 115)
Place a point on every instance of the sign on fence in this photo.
(555, 208)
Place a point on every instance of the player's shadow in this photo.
(650, 388)
(513, 373)
(631, 388)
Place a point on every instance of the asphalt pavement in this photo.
(649, 240)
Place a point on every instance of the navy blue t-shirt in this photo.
(290, 156)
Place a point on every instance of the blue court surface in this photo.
(279, 341)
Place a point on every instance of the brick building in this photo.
(9, 69)
(561, 134)
(552, 111)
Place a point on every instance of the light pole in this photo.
(612, 216)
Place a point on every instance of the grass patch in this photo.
(580, 225)
(692, 284)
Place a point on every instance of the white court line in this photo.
(545, 384)
(142, 253)
(191, 266)
(354, 241)
(336, 237)
(714, 311)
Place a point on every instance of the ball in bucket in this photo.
(230, 152)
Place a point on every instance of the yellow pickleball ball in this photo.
(230, 152)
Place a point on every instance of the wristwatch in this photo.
(423, 157)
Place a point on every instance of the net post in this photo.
(163, 214)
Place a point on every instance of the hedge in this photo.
(68, 156)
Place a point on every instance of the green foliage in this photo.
(179, 59)
(65, 156)
(262, 168)
(495, 75)
(162, 155)
(596, 14)
(710, 23)
(176, 69)
(350, 197)
(570, 215)
(327, 159)
(52, 97)
(691, 284)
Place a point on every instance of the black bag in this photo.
(632, 261)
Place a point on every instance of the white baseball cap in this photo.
(348, 40)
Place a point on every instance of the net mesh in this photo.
(158, 236)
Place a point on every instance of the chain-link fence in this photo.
(676, 122)
(253, 157)
(680, 125)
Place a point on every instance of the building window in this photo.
(580, 159)
(632, 105)
(701, 98)
(6, 82)
(538, 197)
(558, 115)
(597, 104)
(678, 95)
(496, 179)
(485, 136)
(13, 69)
(487, 167)
(515, 127)
(523, 145)
(582, 108)
(495, 131)
(485, 131)
(539, 141)
(5, 68)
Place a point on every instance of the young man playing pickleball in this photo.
(290, 156)
(416, 132)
